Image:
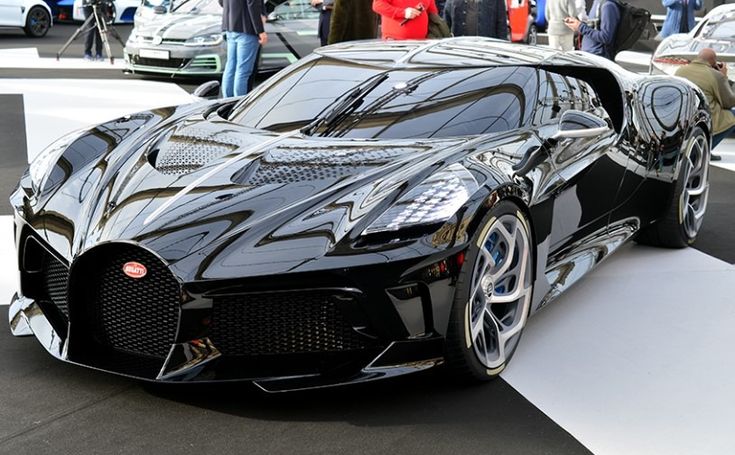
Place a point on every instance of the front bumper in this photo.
(195, 355)
(182, 60)
(198, 362)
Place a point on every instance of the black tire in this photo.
(671, 231)
(38, 22)
(461, 360)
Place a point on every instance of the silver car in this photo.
(188, 41)
(716, 30)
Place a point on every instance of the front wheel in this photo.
(493, 296)
(679, 226)
(38, 22)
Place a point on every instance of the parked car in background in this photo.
(188, 40)
(522, 15)
(33, 16)
(716, 30)
(123, 11)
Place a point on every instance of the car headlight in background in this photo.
(434, 200)
(44, 162)
(212, 39)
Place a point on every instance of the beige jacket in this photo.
(717, 90)
(556, 11)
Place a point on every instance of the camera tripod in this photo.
(101, 24)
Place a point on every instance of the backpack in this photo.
(633, 23)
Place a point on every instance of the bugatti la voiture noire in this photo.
(377, 208)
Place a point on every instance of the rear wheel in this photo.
(493, 296)
(38, 22)
(683, 219)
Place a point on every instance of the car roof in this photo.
(459, 52)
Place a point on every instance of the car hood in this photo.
(179, 26)
(201, 188)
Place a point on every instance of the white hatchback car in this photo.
(33, 16)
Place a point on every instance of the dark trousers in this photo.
(324, 18)
(93, 35)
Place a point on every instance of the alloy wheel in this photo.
(693, 199)
(500, 295)
(39, 22)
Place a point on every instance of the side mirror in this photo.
(578, 124)
(160, 10)
(272, 17)
(208, 90)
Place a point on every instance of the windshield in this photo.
(393, 104)
(197, 7)
(721, 27)
(296, 9)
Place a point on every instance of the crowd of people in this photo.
(347, 20)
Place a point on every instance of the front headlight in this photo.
(434, 200)
(212, 39)
(44, 162)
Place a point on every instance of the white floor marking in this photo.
(56, 107)
(726, 149)
(29, 58)
(9, 279)
(636, 359)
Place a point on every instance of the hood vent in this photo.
(285, 165)
(187, 150)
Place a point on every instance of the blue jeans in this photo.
(242, 50)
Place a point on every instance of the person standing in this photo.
(679, 16)
(243, 26)
(561, 37)
(477, 18)
(405, 19)
(93, 36)
(325, 17)
(352, 20)
(711, 77)
(598, 36)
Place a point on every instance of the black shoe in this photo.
(715, 157)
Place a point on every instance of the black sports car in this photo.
(377, 208)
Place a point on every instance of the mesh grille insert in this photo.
(283, 323)
(139, 316)
(55, 280)
(189, 149)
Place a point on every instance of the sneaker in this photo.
(99, 58)
(88, 57)
(715, 157)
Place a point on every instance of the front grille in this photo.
(55, 279)
(159, 63)
(283, 323)
(138, 316)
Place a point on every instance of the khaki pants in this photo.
(562, 42)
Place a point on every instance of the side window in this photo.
(559, 93)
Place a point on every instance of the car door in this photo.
(11, 12)
(589, 169)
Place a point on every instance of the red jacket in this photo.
(393, 12)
